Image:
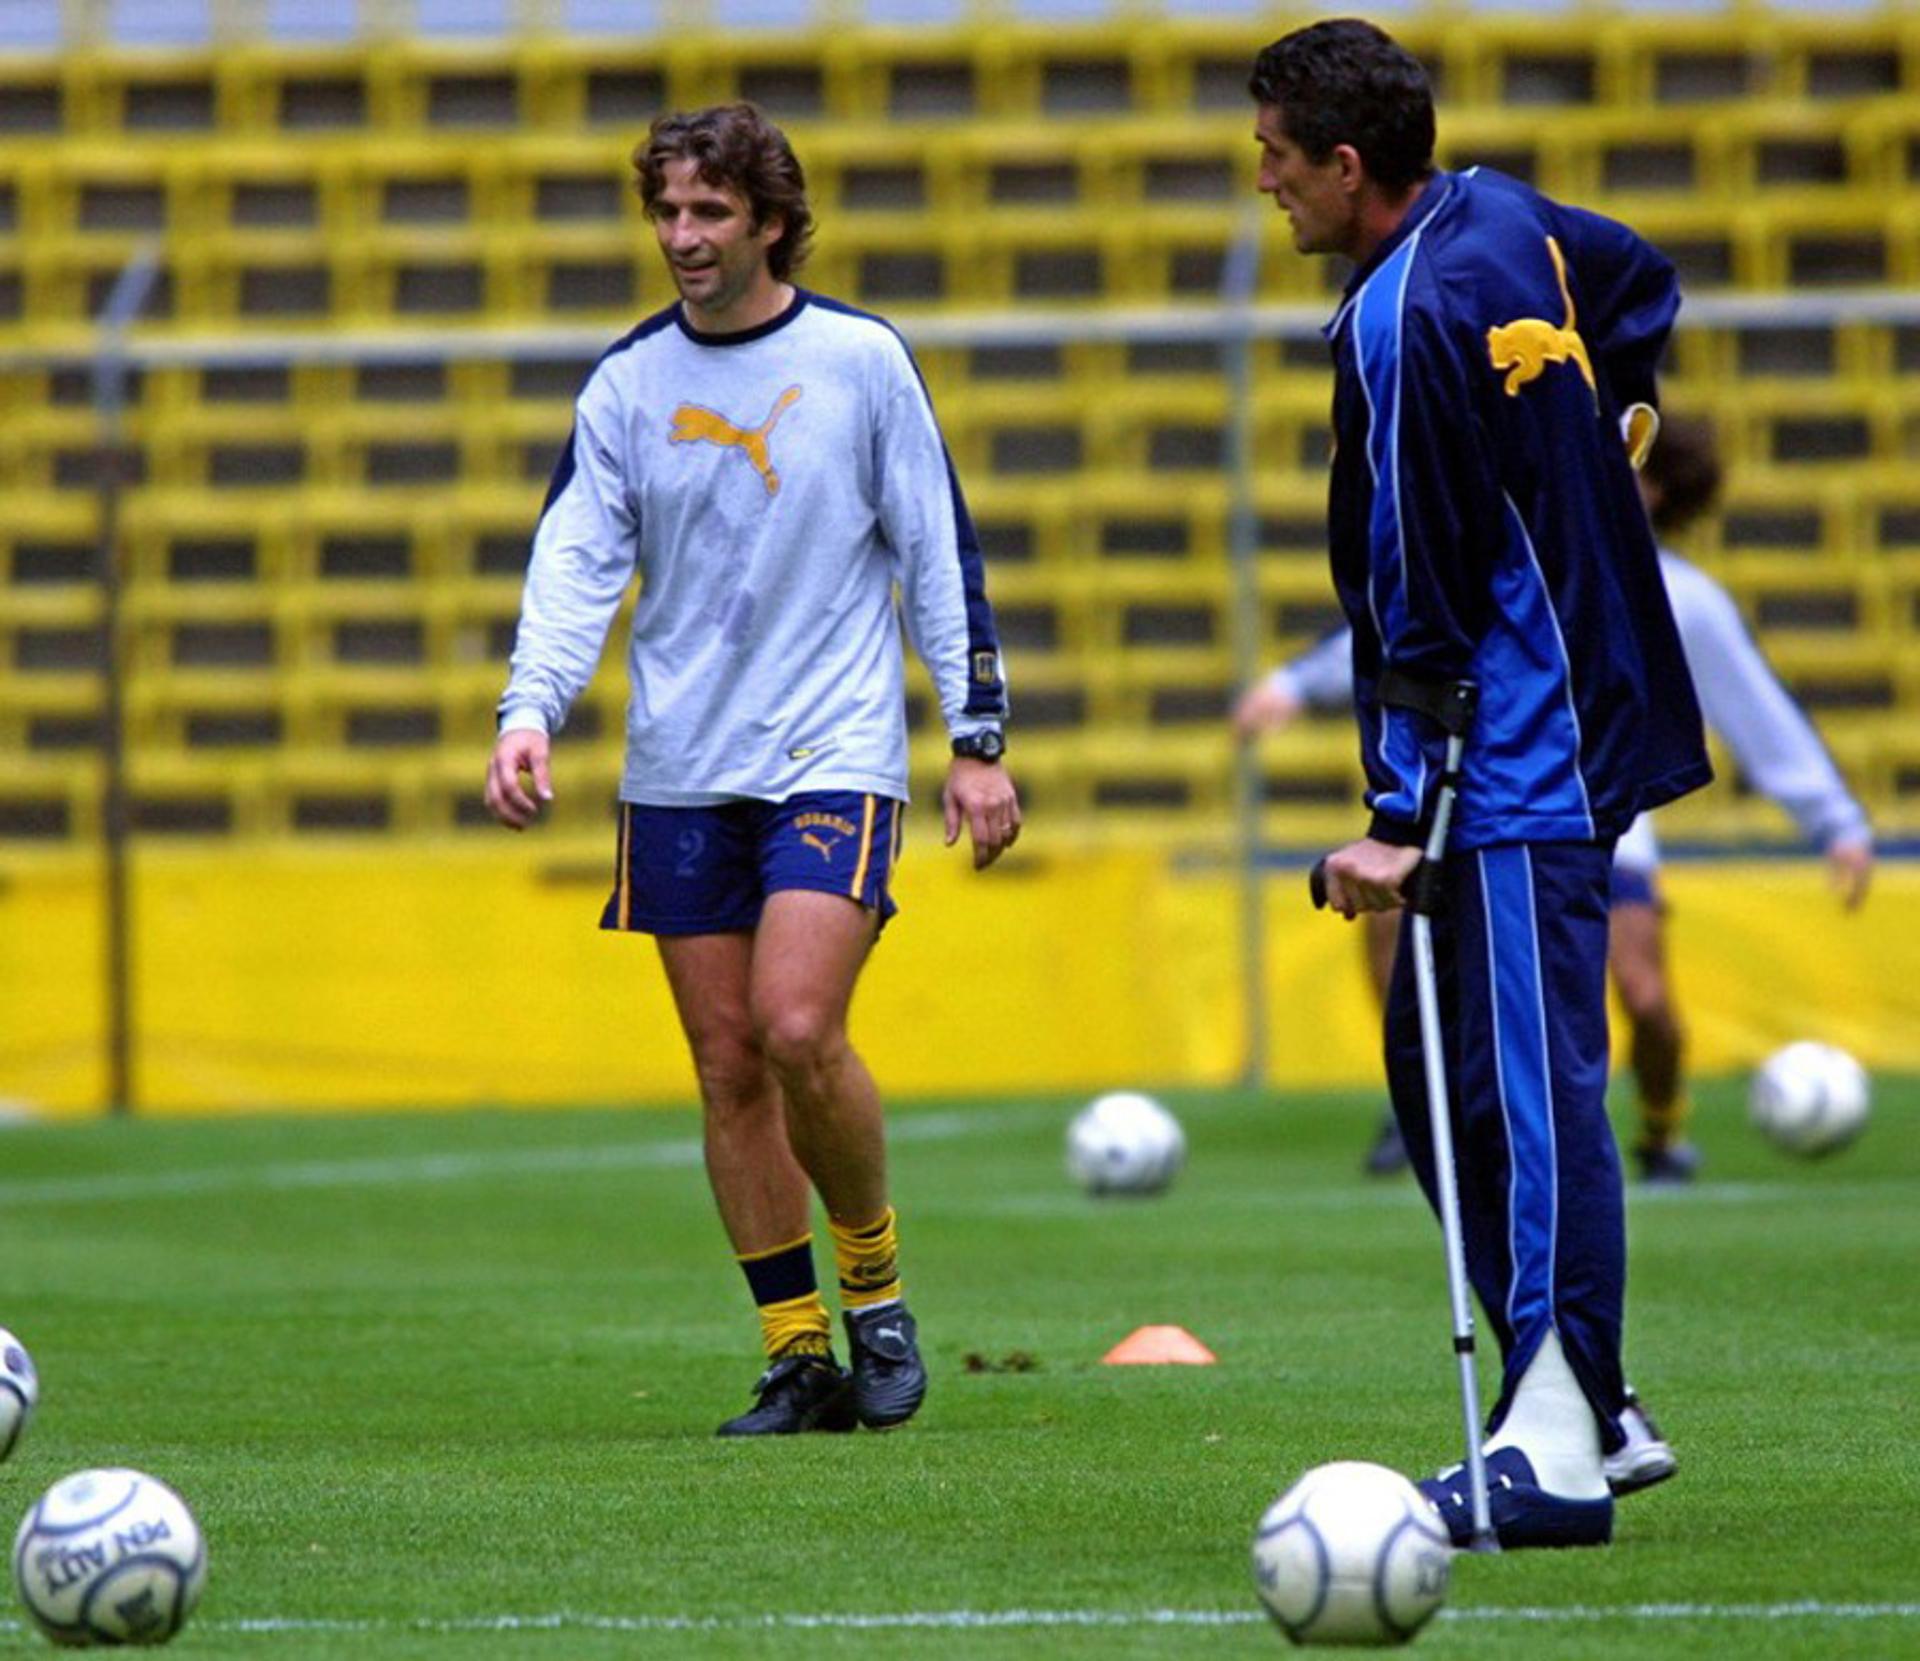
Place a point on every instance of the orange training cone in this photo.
(1159, 1346)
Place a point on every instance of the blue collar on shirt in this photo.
(1432, 194)
(759, 331)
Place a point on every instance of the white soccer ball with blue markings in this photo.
(1125, 1143)
(1351, 1554)
(1810, 1098)
(109, 1557)
(19, 1390)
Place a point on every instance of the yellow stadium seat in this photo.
(66, 280)
(1895, 748)
(1161, 165)
(1789, 146)
(542, 185)
(1023, 521)
(613, 86)
(1192, 65)
(798, 78)
(308, 89)
(161, 95)
(1617, 158)
(1695, 61)
(207, 539)
(938, 74)
(33, 99)
(1713, 244)
(47, 541)
(49, 798)
(1067, 72)
(1523, 61)
(1787, 594)
(1777, 511)
(472, 86)
(53, 450)
(1841, 57)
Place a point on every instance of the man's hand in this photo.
(522, 751)
(1366, 876)
(1265, 705)
(980, 795)
(1849, 870)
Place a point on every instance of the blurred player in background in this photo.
(1483, 522)
(1771, 739)
(769, 462)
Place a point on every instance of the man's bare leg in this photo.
(1637, 961)
(757, 1183)
(759, 1187)
(808, 954)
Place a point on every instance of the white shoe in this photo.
(1645, 1458)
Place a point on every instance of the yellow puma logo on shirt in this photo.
(693, 424)
(825, 847)
(1525, 347)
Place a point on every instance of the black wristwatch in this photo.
(981, 746)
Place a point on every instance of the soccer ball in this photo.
(1809, 1098)
(109, 1557)
(1352, 1553)
(19, 1390)
(1125, 1143)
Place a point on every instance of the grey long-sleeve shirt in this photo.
(770, 488)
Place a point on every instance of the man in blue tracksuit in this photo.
(1492, 350)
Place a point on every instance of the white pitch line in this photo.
(421, 1168)
(1804, 1609)
(1000, 1619)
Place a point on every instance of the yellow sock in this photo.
(793, 1315)
(800, 1326)
(869, 1261)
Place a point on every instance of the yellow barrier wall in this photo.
(344, 976)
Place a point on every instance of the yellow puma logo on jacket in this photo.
(692, 424)
(1526, 346)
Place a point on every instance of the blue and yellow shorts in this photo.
(709, 870)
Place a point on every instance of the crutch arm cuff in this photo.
(1448, 703)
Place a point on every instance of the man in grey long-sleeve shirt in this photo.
(769, 463)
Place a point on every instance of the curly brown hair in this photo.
(737, 148)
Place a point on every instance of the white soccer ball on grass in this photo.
(19, 1390)
(109, 1557)
(1809, 1098)
(1352, 1554)
(1125, 1143)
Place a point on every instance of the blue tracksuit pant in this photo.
(1520, 946)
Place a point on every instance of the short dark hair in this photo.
(1684, 470)
(738, 148)
(1345, 81)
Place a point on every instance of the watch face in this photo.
(981, 746)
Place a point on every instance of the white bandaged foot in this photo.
(1553, 1425)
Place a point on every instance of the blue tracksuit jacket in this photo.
(1484, 520)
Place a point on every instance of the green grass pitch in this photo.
(444, 1385)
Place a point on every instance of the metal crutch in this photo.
(1452, 705)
